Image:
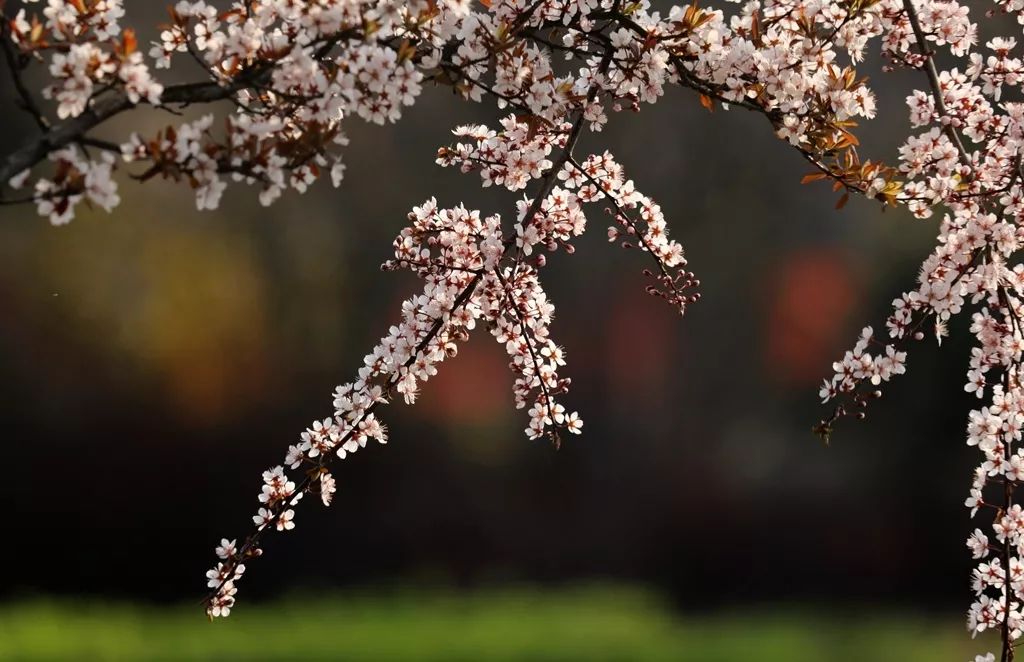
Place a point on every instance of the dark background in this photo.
(155, 360)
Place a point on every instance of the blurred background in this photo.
(155, 360)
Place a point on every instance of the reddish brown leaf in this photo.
(813, 177)
(129, 43)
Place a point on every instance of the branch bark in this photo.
(115, 103)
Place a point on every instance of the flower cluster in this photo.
(510, 158)
(323, 64)
(637, 219)
(999, 576)
(87, 51)
(76, 179)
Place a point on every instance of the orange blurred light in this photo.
(808, 301)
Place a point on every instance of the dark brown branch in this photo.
(65, 133)
(933, 79)
(28, 102)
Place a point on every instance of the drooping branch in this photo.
(223, 577)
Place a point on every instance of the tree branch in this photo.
(933, 80)
(105, 107)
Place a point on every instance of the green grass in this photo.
(584, 624)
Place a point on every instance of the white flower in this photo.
(284, 520)
(226, 548)
(262, 518)
(573, 423)
(327, 488)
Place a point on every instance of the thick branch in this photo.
(107, 106)
(27, 101)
